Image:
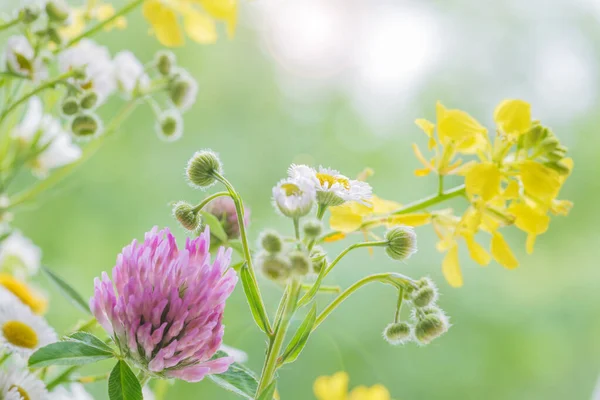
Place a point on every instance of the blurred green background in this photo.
(339, 83)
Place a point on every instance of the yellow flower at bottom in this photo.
(377, 392)
(24, 293)
(332, 387)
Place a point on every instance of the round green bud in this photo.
(203, 168)
(70, 106)
(558, 167)
(54, 36)
(182, 89)
(397, 333)
(430, 327)
(424, 296)
(318, 258)
(401, 242)
(312, 228)
(79, 73)
(85, 125)
(271, 241)
(165, 60)
(549, 144)
(89, 100)
(185, 214)
(29, 13)
(300, 262)
(274, 266)
(57, 10)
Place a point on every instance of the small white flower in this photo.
(20, 58)
(20, 384)
(239, 356)
(74, 391)
(169, 125)
(99, 67)
(59, 148)
(19, 256)
(294, 197)
(21, 331)
(130, 73)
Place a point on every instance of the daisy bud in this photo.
(202, 168)
(185, 214)
(318, 258)
(57, 10)
(300, 262)
(165, 60)
(169, 125)
(424, 296)
(29, 13)
(271, 241)
(401, 242)
(183, 90)
(312, 228)
(89, 100)
(85, 126)
(397, 333)
(430, 327)
(294, 198)
(70, 106)
(274, 266)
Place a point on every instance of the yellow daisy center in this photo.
(290, 189)
(21, 392)
(20, 334)
(24, 293)
(331, 180)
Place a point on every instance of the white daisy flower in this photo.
(239, 356)
(19, 256)
(20, 58)
(74, 391)
(129, 73)
(21, 331)
(20, 384)
(47, 132)
(294, 197)
(99, 67)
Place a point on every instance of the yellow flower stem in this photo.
(99, 26)
(277, 340)
(391, 278)
(431, 201)
(207, 200)
(63, 172)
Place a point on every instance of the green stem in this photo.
(208, 200)
(321, 211)
(63, 377)
(399, 305)
(322, 289)
(91, 379)
(99, 26)
(431, 200)
(440, 185)
(297, 228)
(10, 24)
(143, 378)
(276, 343)
(388, 277)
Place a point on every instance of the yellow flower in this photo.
(513, 117)
(94, 11)
(24, 293)
(199, 19)
(336, 388)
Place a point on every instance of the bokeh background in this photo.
(339, 83)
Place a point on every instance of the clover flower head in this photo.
(164, 306)
(294, 197)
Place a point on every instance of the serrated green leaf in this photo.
(257, 309)
(71, 294)
(236, 267)
(216, 228)
(300, 338)
(237, 379)
(90, 340)
(123, 384)
(70, 352)
(269, 392)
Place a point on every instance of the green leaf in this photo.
(300, 338)
(258, 311)
(123, 384)
(216, 228)
(307, 298)
(237, 379)
(91, 340)
(83, 350)
(269, 392)
(66, 289)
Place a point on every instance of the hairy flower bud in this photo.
(318, 257)
(85, 125)
(271, 241)
(183, 90)
(430, 327)
(169, 125)
(89, 100)
(274, 266)
(202, 168)
(401, 242)
(185, 214)
(165, 61)
(397, 333)
(57, 10)
(312, 228)
(70, 106)
(424, 296)
(29, 13)
(300, 262)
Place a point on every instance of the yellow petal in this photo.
(422, 172)
(477, 252)
(76, 25)
(334, 237)
(225, 10)
(483, 180)
(377, 392)
(104, 11)
(529, 219)
(331, 387)
(456, 125)
(164, 23)
(539, 181)
(200, 27)
(416, 219)
(561, 207)
(426, 126)
(513, 116)
(512, 190)
(451, 268)
(421, 158)
(382, 206)
(348, 217)
(502, 252)
(530, 243)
